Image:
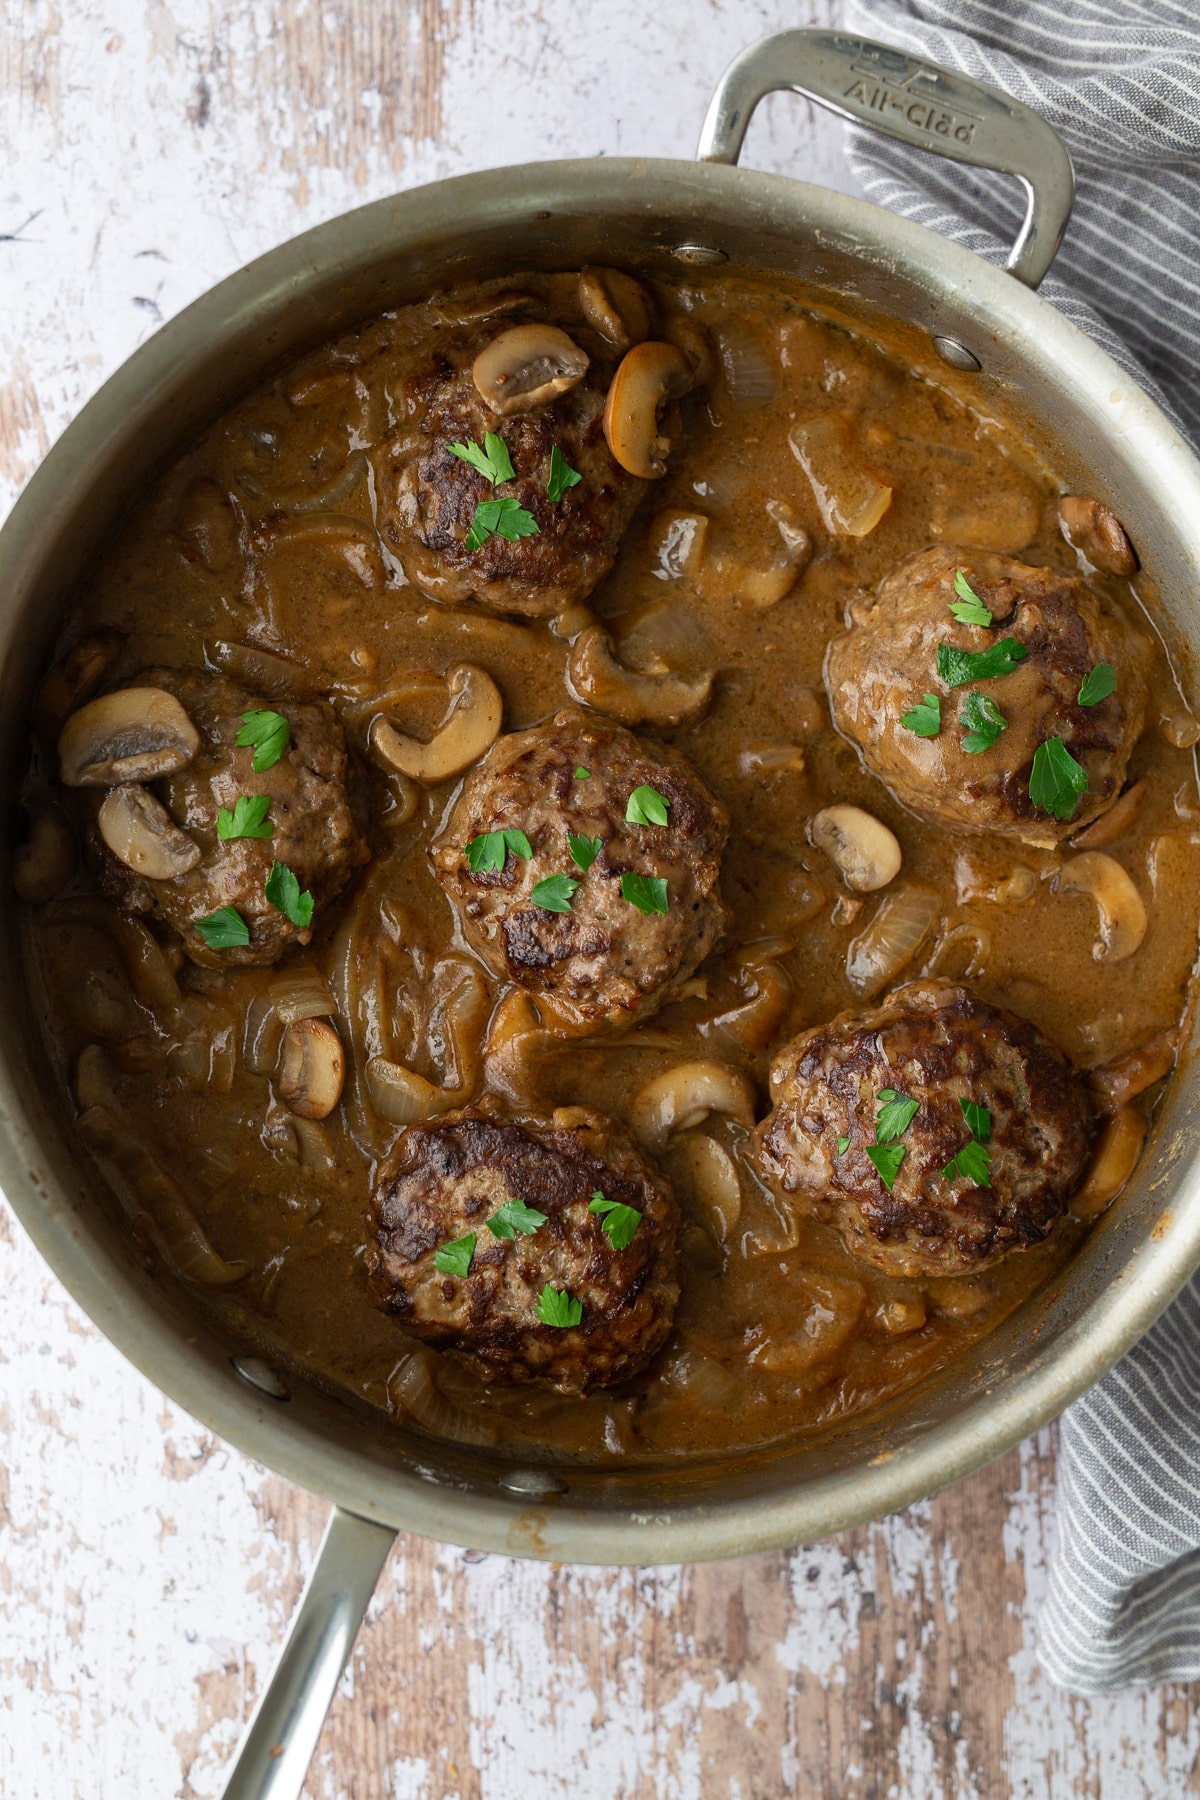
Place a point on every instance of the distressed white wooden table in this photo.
(147, 1571)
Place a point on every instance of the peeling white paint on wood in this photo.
(147, 1571)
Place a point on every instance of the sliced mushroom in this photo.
(632, 696)
(1114, 823)
(1121, 908)
(133, 734)
(1090, 526)
(712, 1176)
(471, 726)
(650, 376)
(1119, 1146)
(685, 1095)
(1118, 1082)
(861, 848)
(76, 676)
(312, 1068)
(45, 862)
(141, 833)
(615, 305)
(526, 367)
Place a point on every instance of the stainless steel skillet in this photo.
(979, 328)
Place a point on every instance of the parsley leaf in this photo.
(973, 1163)
(555, 893)
(1056, 780)
(488, 853)
(223, 930)
(620, 1222)
(283, 891)
(843, 1146)
(979, 1120)
(1098, 684)
(894, 1116)
(562, 476)
(984, 722)
(493, 461)
(247, 820)
(556, 1307)
(887, 1159)
(646, 807)
(582, 774)
(584, 850)
(955, 666)
(647, 892)
(968, 609)
(268, 734)
(924, 721)
(505, 518)
(515, 1216)
(455, 1258)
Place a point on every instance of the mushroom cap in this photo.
(470, 727)
(528, 366)
(860, 846)
(132, 734)
(650, 376)
(141, 833)
(615, 305)
(312, 1068)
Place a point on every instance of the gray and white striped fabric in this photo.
(1120, 80)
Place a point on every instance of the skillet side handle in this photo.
(917, 103)
(282, 1736)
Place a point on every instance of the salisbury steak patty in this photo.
(447, 1180)
(625, 941)
(428, 496)
(936, 1044)
(312, 830)
(883, 667)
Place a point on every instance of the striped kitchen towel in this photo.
(1120, 80)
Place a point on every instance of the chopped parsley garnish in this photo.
(283, 891)
(582, 774)
(647, 892)
(268, 734)
(488, 853)
(562, 476)
(556, 1307)
(224, 930)
(984, 722)
(979, 1120)
(493, 461)
(895, 1115)
(926, 720)
(515, 1216)
(1056, 780)
(1098, 685)
(973, 1163)
(646, 807)
(620, 1222)
(455, 1258)
(584, 850)
(505, 518)
(887, 1159)
(843, 1146)
(955, 666)
(968, 609)
(247, 820)
(555, 893)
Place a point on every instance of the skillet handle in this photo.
(282, 1736)
(917, 103)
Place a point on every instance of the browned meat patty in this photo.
(882, 668)
(608, 958)
(428, 496)
(313, 831)
(447, 1179)
(936, 1044)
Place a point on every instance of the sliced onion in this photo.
(750, 371)
(412, 1389)
(299, 993)
(706, 1382)
(712, 1176)
(977, 944)
(401, 1096)
(891, 937)
(311, 500)
(256, 669)
(316, 1150)
(850, 500)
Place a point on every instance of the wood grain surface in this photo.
(147, 1570)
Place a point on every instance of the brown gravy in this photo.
(261, 538)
